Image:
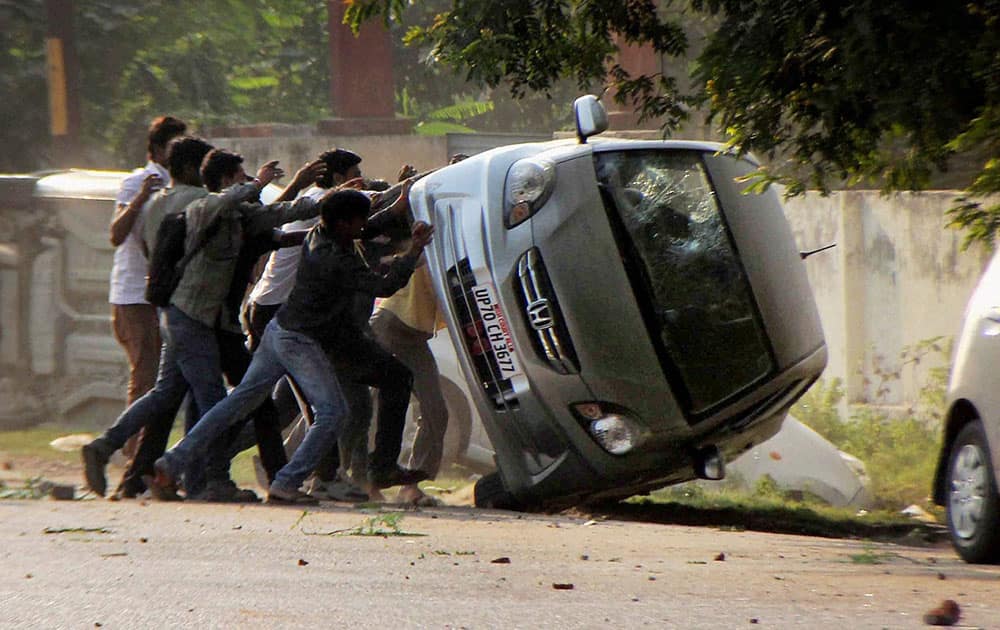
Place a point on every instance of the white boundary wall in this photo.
(897, 276)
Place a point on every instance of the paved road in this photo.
(138, 565)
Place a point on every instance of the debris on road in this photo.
(720, 557)
(947, 613)
(500, 560)
(562, 586)
(302, 562)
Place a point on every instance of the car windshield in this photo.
(687, 277)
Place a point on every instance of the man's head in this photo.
(161, 131)
(345, 212)
(184, 156)
(341, 166)
(221, 169)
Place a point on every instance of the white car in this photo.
(966, 481)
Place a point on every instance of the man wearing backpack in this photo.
(314, 322)
(158, 408)
(160, 404)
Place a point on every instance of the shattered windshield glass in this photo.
(684, 267)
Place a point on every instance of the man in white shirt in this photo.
(133, 320)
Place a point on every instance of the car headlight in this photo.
(612, 427)
(529, 185)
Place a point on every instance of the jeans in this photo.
(280, 351)
(198, 357)
(266, 430)
(362, 361)
(158, 406)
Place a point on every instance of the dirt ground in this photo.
(131, 564)
(94, 563)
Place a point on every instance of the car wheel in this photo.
(972, 503)
(491, 493)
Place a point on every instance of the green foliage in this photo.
(387, 524)
(229, 61)
(857, 92)
(899, 452)
(34, 488)
(531, 46)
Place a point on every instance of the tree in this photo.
(863, 91)
(228, 61)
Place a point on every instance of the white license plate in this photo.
(495, 330)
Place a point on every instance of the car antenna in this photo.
(806, 254)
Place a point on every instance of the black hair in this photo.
(185, 152)
(344, 205)
(219, 163)
(337, 161)
(164, 129)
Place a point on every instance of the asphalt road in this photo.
(87, 564)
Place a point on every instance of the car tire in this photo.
(490, 493)
(971, 499)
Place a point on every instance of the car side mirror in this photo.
(591, 117)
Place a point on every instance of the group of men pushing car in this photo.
(310, 330)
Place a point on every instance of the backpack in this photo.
(168, 260)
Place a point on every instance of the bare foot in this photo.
(410, 494)
(374, 494)
(413, 495)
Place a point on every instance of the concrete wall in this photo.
(897, 277)
(383, 155)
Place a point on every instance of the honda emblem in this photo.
(540, 315)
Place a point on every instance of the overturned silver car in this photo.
(625, 315)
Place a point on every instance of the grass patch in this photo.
(34, 488)
(34, 442)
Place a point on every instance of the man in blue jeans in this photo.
(315, 322)
(190, 356)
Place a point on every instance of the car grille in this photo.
(543, 316)
(500, 391)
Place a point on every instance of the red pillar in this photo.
(637, 60)
(361, 79)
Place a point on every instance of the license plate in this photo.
(496, 333)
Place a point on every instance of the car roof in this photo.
(80, 184)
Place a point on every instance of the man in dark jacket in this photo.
(314, 331)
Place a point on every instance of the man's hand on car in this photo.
(269, 172)
(406, 172)
(309, 174)
(420, 235)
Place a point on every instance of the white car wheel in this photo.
(973, 506)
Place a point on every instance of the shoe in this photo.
(395, 476)
(283, 496)
(225, 492)
(123, 492)
(94, 463)
(338, 490)
(162, 486)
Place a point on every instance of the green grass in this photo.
(899, 453)
(35, 443)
